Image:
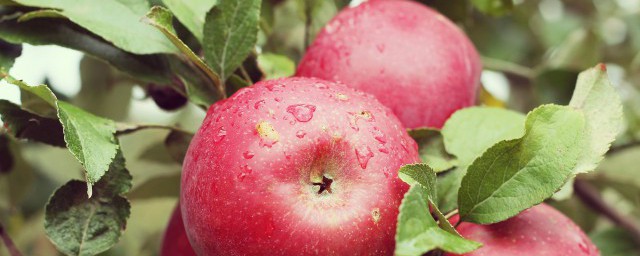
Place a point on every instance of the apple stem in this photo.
(325, 185)
(11, 247)
(590, 196)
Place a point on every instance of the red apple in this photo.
(295, 166)
(413, 59)
(540, 230)
(175, 241)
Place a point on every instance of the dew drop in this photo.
(246, 170)
(379, 136)
(380, 48)
(383, 149)
(300, 134)
(321, 86)
(220, 135)
(403, 143)
(258, 104)
(364, 154)
(302, 112)
(386, 172)
(247, 155)
(277, 99)
(274, 87)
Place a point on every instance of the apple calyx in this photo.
(325, 185)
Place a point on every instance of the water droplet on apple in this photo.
(277, 99)
(272, 87)
(380, 48)
(300, 134)
(220, 135)
(246, 170)
(363, 154)
(383, 149)
(247, 155)
(302, 112)
(378, 135)
(321, 86)
(386, 172)
(403, 143)
(258, 104)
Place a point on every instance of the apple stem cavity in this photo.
(325, 185)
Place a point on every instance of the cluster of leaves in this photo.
(514, 163)
(202, 51)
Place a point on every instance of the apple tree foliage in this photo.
(566, 119)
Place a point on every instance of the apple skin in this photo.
(540, 230)
(247, 181)
(413, 59)
(175, 241)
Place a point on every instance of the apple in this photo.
(413, 59)
(295, 166)
(540, 230)
(175, 241)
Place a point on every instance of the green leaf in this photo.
(431, 148)
(230, 34)
(39, 92)
(423, 175)
(78, 225)
(23, 124)
(418, 233)
(275, 66)
(448, 185)
(514, 175)
(89, 138)
(493, 7)
(150, 68)
(117, 21)
(598, 99)
(45, 13)
(191, 13)
(471, 131)
(8, 54)
(199, 93)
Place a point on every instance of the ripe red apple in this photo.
(295, 166)
(175, 241)
(413, 59)
(540, 230)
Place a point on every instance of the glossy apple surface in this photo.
(175, 241)
(295, 166)
(413, 59)
(540, 230)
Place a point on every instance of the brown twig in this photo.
(11, 247)
(591, 197)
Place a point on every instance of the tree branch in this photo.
(507, 67)
(11, 247)
(591, 197)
